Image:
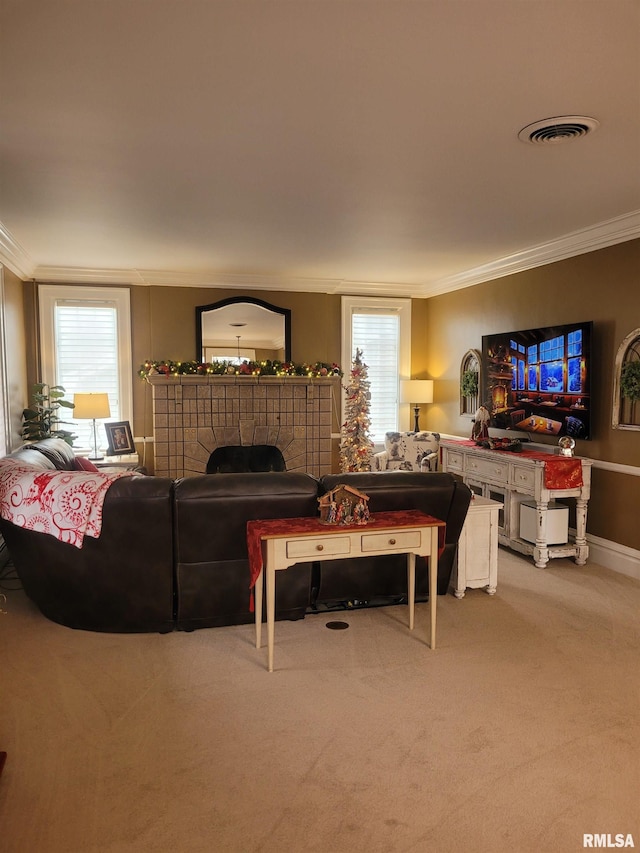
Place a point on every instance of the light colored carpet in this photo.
(519, 733)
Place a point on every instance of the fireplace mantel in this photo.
(193, 415)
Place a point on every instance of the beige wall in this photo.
(15, 352)
(602, 286)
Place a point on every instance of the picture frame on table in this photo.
(120, 438)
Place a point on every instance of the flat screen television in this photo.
(537, 381)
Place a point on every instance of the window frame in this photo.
(49, 294)
(401, 307)
(5, 414)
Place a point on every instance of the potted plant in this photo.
(42, 419)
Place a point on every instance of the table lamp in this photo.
(91, 407)
(416, 391)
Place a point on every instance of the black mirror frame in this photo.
(234, 300)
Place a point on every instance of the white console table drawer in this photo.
(311, 547)
(455, 461)
(402, 540)
(496, 470)
(524, 478)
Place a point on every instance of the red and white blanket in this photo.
(64, 504)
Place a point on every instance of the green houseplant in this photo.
(42, 418)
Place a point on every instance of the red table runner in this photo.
(257, 529)
(560, 472)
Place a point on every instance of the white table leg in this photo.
(411, 584)
(433, 584)
(257, 605)
(541, 551)
(271, 613)
(582, 549)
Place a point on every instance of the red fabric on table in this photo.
(563, 472)
(560, 472)
(257, 529)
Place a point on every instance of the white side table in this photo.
(116, 464)
(477, 562)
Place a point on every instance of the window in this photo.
(233, 356)
(4, 397)
(381, 328)
(626, 407)
(86, 347)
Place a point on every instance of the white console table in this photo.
(512, 478)
(278, 544)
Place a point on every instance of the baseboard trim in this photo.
(613, 556)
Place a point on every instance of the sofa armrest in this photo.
(120, 582)
(429, 462)
(380, 461)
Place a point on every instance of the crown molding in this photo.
(167, 278)
(609, 233)
(86, 275)
(617, 230)
(14, 257)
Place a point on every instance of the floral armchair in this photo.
(408, 451)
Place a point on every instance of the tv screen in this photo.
(537, 381)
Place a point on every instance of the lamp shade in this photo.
(416, 391)
(91, 406)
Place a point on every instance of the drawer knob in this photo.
(392, 541)
(319, 547)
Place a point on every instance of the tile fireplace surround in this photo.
(193, 415)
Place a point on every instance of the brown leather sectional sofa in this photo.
(172, 553)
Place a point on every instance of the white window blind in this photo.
(87, 356)
(86, 348)
(381, 328)
(378, 336)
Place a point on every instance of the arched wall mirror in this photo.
(243, 328)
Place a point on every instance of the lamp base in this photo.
(416, 415)
(96, 457)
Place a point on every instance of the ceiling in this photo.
(337, 146)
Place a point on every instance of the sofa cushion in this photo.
(408, 451)
(210, 536)
(410, 445)
(56, 451)
(81, 463)
(29, 456)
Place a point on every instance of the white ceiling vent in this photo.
(551, 131)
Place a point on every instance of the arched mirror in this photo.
(242, 328)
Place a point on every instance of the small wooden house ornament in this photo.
(344, 505)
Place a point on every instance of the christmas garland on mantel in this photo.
(247, 368)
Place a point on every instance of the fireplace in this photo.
(235, 458)
(194, 415)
